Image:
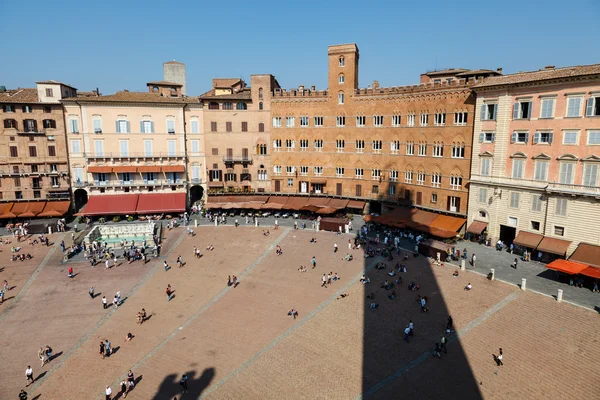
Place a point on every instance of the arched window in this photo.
(341, 78)
(241, 106)
(173, 92)
(341, 98)
(213, 105)
(342, 61)
(227, 106)
(260, 93)
(155, 89)
(260, 105)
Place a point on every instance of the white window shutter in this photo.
(529, 110)
(483, 112)
(550, 137)
(481, 137)
(589, 108)
(536, 137)
(516, 111)
(493, 137)
(513, 137)
(527, 137)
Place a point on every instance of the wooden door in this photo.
(338, 189)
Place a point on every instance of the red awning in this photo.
(148, 168)
(158, 203)
(28, 209)
(359, 205)
(568, 267)
(173, 168)
(125, 169)
(477, 227)
(5, 210)
(95, 169)
(592, 272)
(118, 204)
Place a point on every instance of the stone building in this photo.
(408, 145)
(236, 134)
(536, 159)
(33, 157)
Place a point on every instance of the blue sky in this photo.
(116, 45)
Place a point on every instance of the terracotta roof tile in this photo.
(225, 82)
(244, 94)
(445, 71)
(478, 72)
(542, 75)
(21, 96)
(53, 82)
(166, 83)
(136, 97)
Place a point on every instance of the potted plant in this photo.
(116, 218)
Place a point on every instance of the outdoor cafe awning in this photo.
(296, 203)
(28, 209)
(5, 210)
(338, 203)
(554, 245)
(477, 227)
(55, 209)
(592, 272)
(528, 239)
(587, 254)
(99, 169)
(158, 203)
(117, 204)
(359, 205)
(568, 267)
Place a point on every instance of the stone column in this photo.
(462, 265)
(523, 284)
(493, 272)
(559, 296)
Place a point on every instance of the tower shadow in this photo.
(170, 386)
(393, 368)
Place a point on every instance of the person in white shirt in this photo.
(29, 375)
(468, 287)
(108, 392)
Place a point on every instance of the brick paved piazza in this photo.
(238, 343)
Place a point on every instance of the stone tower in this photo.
(175, 72)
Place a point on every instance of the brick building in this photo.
(33, 160)
(237, 134)
(395, 146)
(535, 167)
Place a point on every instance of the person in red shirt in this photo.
(70, 272)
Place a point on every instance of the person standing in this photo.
(41, 356)
(498, 358)
(183, 383)
(108, 392)
(335, 247)
(70, 274)
(473, 258)
(169, 292)
(22, 395)
(324, 281)
(107, 348)
(411, 326)
(436, 351)
(104, 305)
(515, 263)
(123, 388)
(91, 292)
(443, 344)
(406, 334)
(313, 261)
(180, 261)
(29, 375)
(236, 223)
(166, 265)
(130, 380)
(349, 244)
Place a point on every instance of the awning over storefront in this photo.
(296, 203)
(568, 267)
(528, 239)
(592, 272)
(173, 168)
(28, 209)
(281, 200)
(5, 210)
(338, 203)
(318, 201)
(477, 227)
(310, 208)
(326, 210)
(55, 209)
(118, 204)
(448, 223)
(215, 184)
(159, 203)
(554, 245)
(95, 169)
(587, 254)
(359, 205)
(149, 168)
(122, 169)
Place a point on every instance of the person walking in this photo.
(5, 285)
(349, 244)
(22, 395)
(104, 305)
(498, 358)
(411, 326)
(335, 247)
(183, 383)
(169, 292)
(313, 261)
(130, 380)
(180, 261)
(406, 334)
(29, 375)
(123, 388)
(41, 356)
(166, 265)
(515, 262)
(91, 292)
(436, 351)
(443, 344)
(324, 281)
(107, 349)
(108, 392)
(70, 273)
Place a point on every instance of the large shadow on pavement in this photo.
(392, 367)
(171, 387)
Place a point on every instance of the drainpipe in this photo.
(547, 203)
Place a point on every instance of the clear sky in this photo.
(116, 45)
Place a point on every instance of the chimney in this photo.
(549, 67)
(312, 88)
(301, 88)
(499, 70)
(375, 85)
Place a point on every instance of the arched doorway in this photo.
(196, 193)
(81, 199)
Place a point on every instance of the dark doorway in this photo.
(419, 198)
(196, 193)
(338, 189)
(81, 199)
(507, 234)
(277, 186)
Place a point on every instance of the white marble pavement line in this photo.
(291, 330)
(32, 278)
(81, 341)
(427, 355)
(222, 293)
